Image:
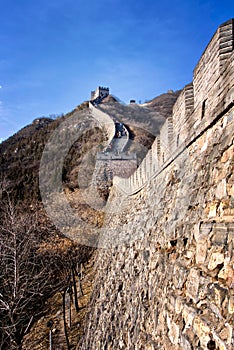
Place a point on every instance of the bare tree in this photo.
(27, 279)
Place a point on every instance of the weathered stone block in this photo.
(212, 210)
(231, 305)
(188, 315)
(226, 333)
(193, 284)
(179, 276)
(219, 343)
(219, 234)
(226, 272)
(178, 305)
(216, 259)
(174, 331)
(202, 231)
(203, 287)
(230, 190)
(189, 254)
(185, 344)
(201, 252)
(217, 294)
(202, 330)
(227, 155)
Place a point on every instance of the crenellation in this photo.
(189, 98)
(166, 136)
(99, 93)
(226, 38)
(156, 149)
(179, 116)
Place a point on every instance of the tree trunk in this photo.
(64, 319)
(75, 290)
(80, 286)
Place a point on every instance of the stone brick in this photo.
(188, 315)
(178, 305)
(226, 333)
(219, 343)
(212, 210)
(216, 259)
(179, 276)
(226, 272)
(202, 330)
(230, 190)
(202, 231)
(201, 252)
(219, 234)
(218, 294)
(203, 288)
(231, 305)
(189, 254)
(185, 344)
(193, 284)
(227, 155)
(174, 331)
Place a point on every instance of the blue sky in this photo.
(54, 52)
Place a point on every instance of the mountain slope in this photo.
(20, 158)
(163, 103)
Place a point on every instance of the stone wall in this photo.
(121, 166)
(165, 279)
(104, 121)
(169, 281)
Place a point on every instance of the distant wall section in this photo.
(104, 121)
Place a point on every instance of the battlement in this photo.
(209, 73)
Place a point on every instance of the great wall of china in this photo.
(197, 108)
(169, 284)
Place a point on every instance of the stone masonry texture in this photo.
(166, 277)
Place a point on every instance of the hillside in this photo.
(20, 158)
(134, 115)
(23, 216)
(163, 103)
(20, 155)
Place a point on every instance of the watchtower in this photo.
(100, 92)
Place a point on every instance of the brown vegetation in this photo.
(41, 271)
